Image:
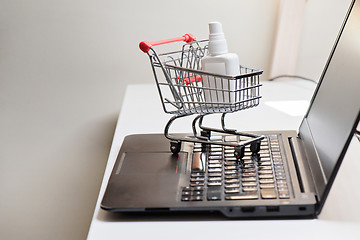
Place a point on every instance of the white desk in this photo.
(142, 113)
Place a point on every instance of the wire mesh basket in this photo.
(186, 90)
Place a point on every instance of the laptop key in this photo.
(267, 185)
(196, 184)
(215, 174)
(266, 176)
(211, 184)
(242, 196)
(214, 193)
(249, 184)
(232, 176)
(196, 198)
(266, 180)
(197, 179)
(232, 185)
(214, 179)
(215, 170)
(249, 179)
(231, 191)
(263, 171)
(197, 162)
(197, 174)
(232, 180)
(284, 194)
(268, 193)
(250, 189)
(249, 174)
(185, 198)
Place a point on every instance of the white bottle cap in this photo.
(217, 42)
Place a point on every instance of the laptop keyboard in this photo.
(217, 175)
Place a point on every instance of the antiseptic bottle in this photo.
(219, 61)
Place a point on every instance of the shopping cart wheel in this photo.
(255, 147)
(175, 147)
(205, 133)
(239, 152)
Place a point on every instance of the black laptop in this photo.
(291, 177)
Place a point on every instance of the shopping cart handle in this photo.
(145, 46)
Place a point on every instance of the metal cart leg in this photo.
(204, 138)
(254, 142)
(203, 135)
(175, 144)
(254, 146)
(223, 124)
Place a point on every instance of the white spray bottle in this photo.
(219, 61)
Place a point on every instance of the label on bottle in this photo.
(216, 68)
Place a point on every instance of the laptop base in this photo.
(147, 177)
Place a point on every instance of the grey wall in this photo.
(64, 66)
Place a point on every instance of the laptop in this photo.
(291, 175)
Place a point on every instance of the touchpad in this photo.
(147, 179)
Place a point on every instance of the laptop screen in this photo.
(335, 107)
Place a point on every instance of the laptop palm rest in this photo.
(147, 180)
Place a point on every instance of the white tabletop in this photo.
(142, 113)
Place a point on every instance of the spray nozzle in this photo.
(217, 42)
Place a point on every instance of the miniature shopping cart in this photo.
(186, 90)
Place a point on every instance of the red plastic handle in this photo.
(191, 79)
(145, 46)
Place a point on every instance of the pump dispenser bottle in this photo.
(219, 61)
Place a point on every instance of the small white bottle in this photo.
(219, 61)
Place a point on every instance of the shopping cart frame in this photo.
(202, 108)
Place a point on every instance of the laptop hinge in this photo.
(303, 173)
(312, 159)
